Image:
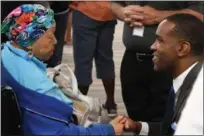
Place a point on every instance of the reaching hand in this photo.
(118, 124)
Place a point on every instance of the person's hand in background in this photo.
(150, 16)
(133, 15)
(138, 16)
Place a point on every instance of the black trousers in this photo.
(144, 91)
(61, 24)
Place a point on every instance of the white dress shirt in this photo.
(176, 85)
(191, 120)
(178, 81)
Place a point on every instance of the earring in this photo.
(30, 54)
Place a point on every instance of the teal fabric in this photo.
(30, 72)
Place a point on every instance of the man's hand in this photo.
(150, 16)
(133, 15)
(118, 124)
(132, 126)
(137, 16)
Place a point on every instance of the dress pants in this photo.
(92, 40)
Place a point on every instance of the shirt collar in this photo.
(25, 55)
(179, 80)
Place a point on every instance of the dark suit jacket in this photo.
(162, 128)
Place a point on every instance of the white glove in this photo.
(59, 79)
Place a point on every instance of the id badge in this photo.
(138, 31)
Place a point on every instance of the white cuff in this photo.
(144, 129)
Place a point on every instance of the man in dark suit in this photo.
(179, 47)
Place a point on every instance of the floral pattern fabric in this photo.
(27, 23)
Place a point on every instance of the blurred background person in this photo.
(93, 30)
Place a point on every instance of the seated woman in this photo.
(45, 109)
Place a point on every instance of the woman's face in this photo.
(43, 48)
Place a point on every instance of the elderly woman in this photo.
(45, 109)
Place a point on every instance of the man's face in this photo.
(165, 46)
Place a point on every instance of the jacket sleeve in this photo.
(155, 129)
(93, 130)
(40, 124)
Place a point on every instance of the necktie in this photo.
(169, 112)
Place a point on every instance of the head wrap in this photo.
(27, 23)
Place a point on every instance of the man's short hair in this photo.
(190, 29)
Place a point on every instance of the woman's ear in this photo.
(30, 51)
(184, 49)
(30, 48)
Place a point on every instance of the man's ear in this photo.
(183, 49)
